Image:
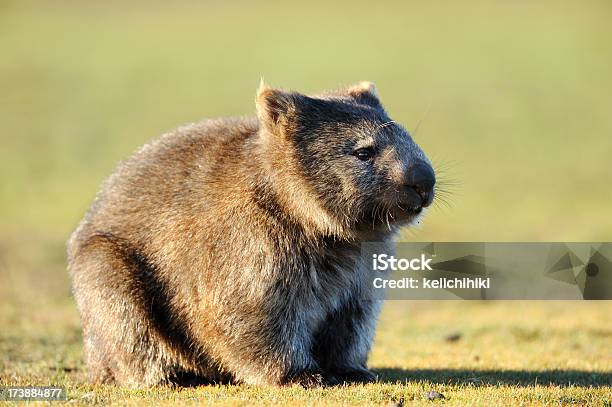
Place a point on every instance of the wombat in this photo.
(229, 250)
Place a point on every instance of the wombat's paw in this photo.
(355, 376)
(309, 379)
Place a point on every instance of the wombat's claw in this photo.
(357, 376)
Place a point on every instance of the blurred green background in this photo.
(514, 101)
(514, 98)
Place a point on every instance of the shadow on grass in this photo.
(562, 378)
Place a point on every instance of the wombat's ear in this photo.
(276, 109)
(365, 93)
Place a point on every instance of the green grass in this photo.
(513, 100)
(508, 353)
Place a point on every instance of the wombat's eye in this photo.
(364, 154)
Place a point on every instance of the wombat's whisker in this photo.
(385, 124)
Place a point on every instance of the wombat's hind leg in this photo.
(121, 340)
(99, 371)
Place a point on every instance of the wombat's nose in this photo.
(422, 179)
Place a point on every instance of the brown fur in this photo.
(229, 250)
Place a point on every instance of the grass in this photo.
(513, 101)
(498, 353)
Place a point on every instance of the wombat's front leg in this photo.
(342, 345)
(271, 348)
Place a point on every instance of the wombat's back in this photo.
(177, 173)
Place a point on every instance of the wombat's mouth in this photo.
(412, 200)
(410, 209)
(403, 212)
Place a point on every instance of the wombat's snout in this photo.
(420, 181)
